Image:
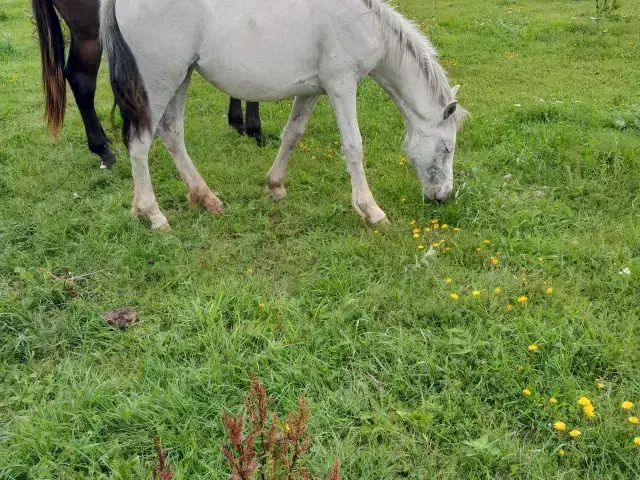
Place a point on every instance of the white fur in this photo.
(270, 50)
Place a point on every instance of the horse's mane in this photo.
(409, 39)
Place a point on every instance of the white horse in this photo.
(301, 48)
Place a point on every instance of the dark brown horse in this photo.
(81, 71)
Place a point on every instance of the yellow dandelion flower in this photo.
(436, 245)
(497, 290)
(477, 250)
(261, 305)
(540, 259)
(403, 199)
(416, 230)
(509, 307)
(402, 161)
(444, 226)
(412, 222)
(448, 280)
(376, 232)
(553, 400)
(448, 249)
(494, 261)
(416, 235)
(526, 392)
(560, 426)
(549, 291)
(287, 427)
(589, 411)
(420, 247)
(434, 221)
(487, 242)
(626, 405)
(575, 433)
(561, 452)
(427, 230)
(475, 293)
(456, 229)
(250, 270)
(522, 299)
(584, 401)
(599, 385)
(454, 296)
(436, 226)
(633, 420)
(533, 347)
(636, 440)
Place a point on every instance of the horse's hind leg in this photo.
(300, 113)
(252, 126)
(171, 132)
(234, 116)
(81, 72)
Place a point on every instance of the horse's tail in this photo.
(52, 57)
(128, 88)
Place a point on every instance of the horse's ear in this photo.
(450, 109)
(454, 90)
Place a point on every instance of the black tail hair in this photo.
(126, 82)
(52, 57)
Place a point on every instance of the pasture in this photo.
(419, 358)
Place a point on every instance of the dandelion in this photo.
(553, 400)
(540, 259)
(584, 401)
(532, 348)
(626, 405)
(560, 426)
(261, 305)
(475, 293)
(434, 221)
(448, 249)
(523, 299)
(509, 307)
(575, 433)
(412, 222)
(494, 261)
(449, 280)
(478, 250)
(454, 296)
(287, 427)
(427, 230)
(416, 235)
(250, 270)
(497, 290)
(633, 420)
(526, 392)
(549, 291)
(403, 199)
(487, 242)
(599, 385)
(402, 161)
(444, 226)
(561, 452)
(436, 245)
(376, 232)
(420, 247)
(436, 226)
(636, 440)
(456, 229)
(589, 411)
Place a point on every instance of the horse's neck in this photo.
(400, 76)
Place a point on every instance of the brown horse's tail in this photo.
(128, 88)
(52, 55)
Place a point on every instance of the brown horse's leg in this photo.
(81, 72)
(253, 126)
(235, 116)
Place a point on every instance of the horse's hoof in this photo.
(257, 135)
(381, 223)
(162, 228)
(277, 193)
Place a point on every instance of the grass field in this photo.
(402, 380)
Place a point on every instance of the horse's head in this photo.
(430, 147)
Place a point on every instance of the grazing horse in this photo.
(81, 71)
(290, 48)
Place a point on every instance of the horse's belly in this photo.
(260, 85)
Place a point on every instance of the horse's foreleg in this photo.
(252, 126)
(171, 132)
(343, 102)
(81, 72)
(300, 113)
(235, 116)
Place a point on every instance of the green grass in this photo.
(402, 381)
